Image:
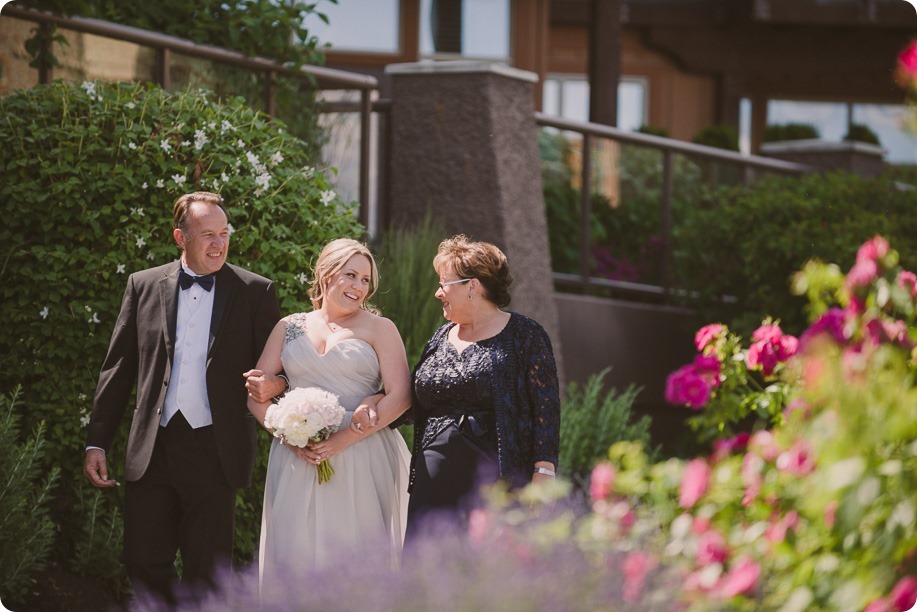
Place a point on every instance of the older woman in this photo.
(485, 392)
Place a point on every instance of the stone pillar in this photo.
(861, 158)
(464, 148)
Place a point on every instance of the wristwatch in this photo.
(545, 471)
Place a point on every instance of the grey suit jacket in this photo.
(245, 310)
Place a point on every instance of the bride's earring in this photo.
(469, 296)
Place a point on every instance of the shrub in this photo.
(26, 531)
(790, 131)
(719, 136)
(90, 176)
(592, 420)
(747, 242)
(653, 130)
(862, 133)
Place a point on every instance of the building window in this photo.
(359, 25)
(477, 29)
(567, 96)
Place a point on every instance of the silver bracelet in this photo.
(544, 470)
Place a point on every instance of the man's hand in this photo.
(262, 387)
(96, 469)
(364, 417)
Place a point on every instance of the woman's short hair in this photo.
(183, 205)
(480, 260)
(332, 260)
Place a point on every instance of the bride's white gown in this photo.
(364, 506)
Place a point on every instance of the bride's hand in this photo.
(306, 454)
(334, 445)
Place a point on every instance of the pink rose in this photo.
(762, 354)
(873, 249)
(878, 605)
(831, 323)
(776, 532)
(707, 334)
(862, 274)
(711, 548)
(601, 481)
(797, 460)
(908, 281)
(787, 347)
(740, 579)
(767, 333)
(722, 448)
(904, 594)
(694, 482)
(700, 525)
(686, 387)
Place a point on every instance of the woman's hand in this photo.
(365, 416)
(334, 445)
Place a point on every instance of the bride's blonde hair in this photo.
(331, 261)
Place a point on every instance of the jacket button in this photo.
(165, 383)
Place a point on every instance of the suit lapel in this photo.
(226, 285)
(168, 291)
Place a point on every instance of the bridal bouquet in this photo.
(306, 414)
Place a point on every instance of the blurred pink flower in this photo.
(738, 443)
(700, 525)
(601, 481)
(831, 323)
(873, 249)
(694, 482)
(762, 354)
(707, 334)
(711, 548)
(830, 512)
(752, 478)
(636, 567)
(878, 605)
(862, 274)
(798, 460)
(797, 405)
(478, 526)
(686, 387)
(767, 333)
(764, 443)
(776, 532)
(904, 594)
(908, 281)
(741, 578)
(787, 347)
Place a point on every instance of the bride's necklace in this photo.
(335, 326)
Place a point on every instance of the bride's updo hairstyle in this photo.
(480, 260)
(331, 261)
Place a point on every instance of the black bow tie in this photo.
(185, 280)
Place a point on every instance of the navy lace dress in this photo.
(488, 412)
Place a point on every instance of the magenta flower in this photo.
(831, 323)
(686, 387)
(739, 442)
(798, 460)
(708, 367)
(741, 578)
(787, 347)
(763, 443)
(707, 334)
(694, 482)
(711, 548)
(907, 59)
(767, 333)
(762, 355)
(904, 594)
(601, 481)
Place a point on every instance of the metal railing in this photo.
(583, 281)
(164, 45)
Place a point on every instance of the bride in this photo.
(341, 347)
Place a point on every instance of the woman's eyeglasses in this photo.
(444, 284)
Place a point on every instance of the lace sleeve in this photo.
(543, 394)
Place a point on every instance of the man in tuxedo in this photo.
(186, 333)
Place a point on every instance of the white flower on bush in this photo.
(165, 145)
(277, 158)
(144, 186)
(94, 318)
(150, 256)
(132, 146)
(200, 139)
(138, 211)
(240, 144)
(231, 229)
(224, 177)
(226, 126)
(303, 414)
(263, 180)
(130, 105)
(120, 269)
(179, 179)
(90, 88)
(308, 171)
(44, 312)
(302, 278)
(141, 242)
(327, 196)
(161, 183)
(84, 417)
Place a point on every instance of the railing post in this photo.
(585, 235)
(270, 92)
(164, 75)
(365, 129)
(45, 33)
(667, 182)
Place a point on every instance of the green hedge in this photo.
(90, 174)
(747, 242)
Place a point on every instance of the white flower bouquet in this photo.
(306, 414)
